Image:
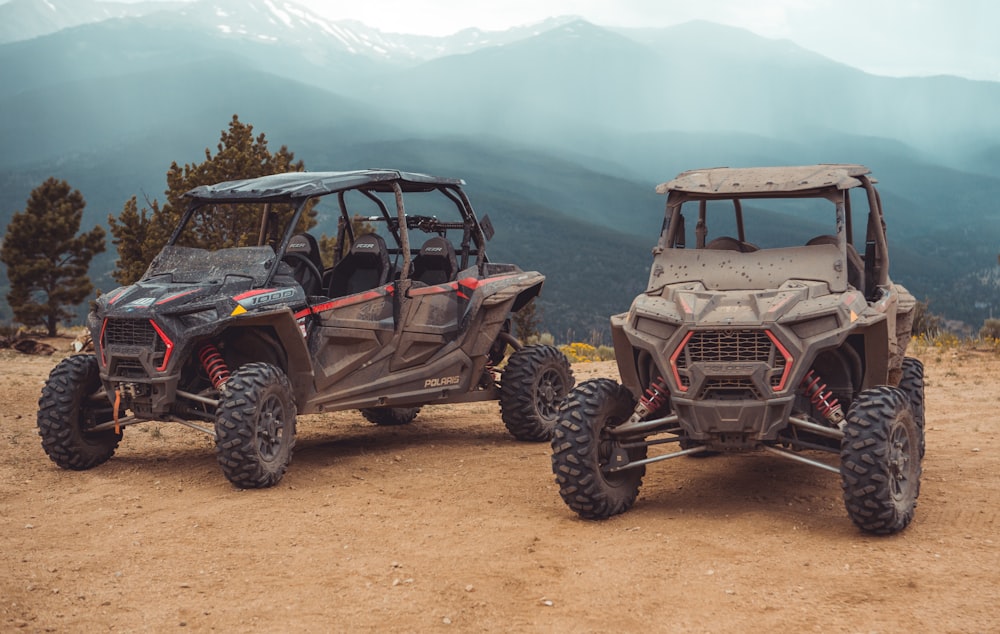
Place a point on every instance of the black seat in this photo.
(366, 266)
(436, 263)
(855, 265)
(302, 255)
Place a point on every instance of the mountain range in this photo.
(562, 129)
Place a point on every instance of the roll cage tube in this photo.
(404, 236)
(477, 235)
(877, 232)
(674, 225)
(701, 228)
(289, 232)
(473, 237)
(188, 212)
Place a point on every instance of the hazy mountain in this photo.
(551, 86)
(27, 19)
(562, 129)
(578, 83)
(261, 21)
(194, 100)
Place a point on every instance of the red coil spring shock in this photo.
(821, 397)
(215, 366)
(655, 396)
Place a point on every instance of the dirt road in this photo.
(448, 524)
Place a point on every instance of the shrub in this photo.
(990, 330)
(925, 323)
(544, 339)
(578, 352)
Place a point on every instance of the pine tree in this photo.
(129, 237)
(46, 261)
(526, 322)
(240, 155)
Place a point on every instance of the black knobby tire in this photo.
(912, 384)
(390, 416)
(68, 406)
(880, 461)
(582, 450)
(534, 384)
(255, 426)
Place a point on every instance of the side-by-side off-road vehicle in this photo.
(236, 341)
(762, 328)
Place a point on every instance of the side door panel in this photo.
(431, 319)
(350, 332)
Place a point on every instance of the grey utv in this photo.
(769, 324)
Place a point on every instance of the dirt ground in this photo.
(449, 524)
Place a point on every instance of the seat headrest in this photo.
(302, 243)
(369, 243)
(437, 246)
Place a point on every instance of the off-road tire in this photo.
(880, 461)
(581, 450)
(67, 407)
(390, 416)
(534, 384)
(912, 384)
(255, 426)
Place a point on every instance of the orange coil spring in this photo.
(656, 395)
(821, 398)
(215, 366)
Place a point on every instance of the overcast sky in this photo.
(886, 37)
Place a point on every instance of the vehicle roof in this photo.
(718, 181)
(299, 185)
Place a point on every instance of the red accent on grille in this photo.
(104, 326)
(673, 362)
(166, 340)
(788, 361)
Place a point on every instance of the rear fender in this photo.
(525, 297)
(500, 297)
(519, 287)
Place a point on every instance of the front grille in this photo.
(746, 346)
(133, 332)
(729, 345)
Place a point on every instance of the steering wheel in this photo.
(311, 277)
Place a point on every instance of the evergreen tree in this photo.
(46, 261)
(129, 237)
(240, 155)
(526, 322)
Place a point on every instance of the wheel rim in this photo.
(270, 426)
(549, 394)
(901, 464)
(606, 446)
